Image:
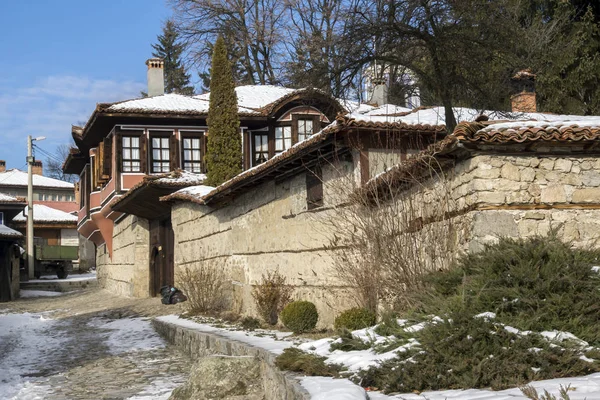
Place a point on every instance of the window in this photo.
(131, 154)
(314, 188)
(261, 149)
(160, 154)
(305, 129)
(283, 138)
(191, 155)
(1, 218)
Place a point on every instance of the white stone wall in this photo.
(265, 229)
(127, 273)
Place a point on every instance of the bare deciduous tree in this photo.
(388, 235)
(251, 29)
(54, 163)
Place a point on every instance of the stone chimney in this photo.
(380, 92)
(2, 165)
(524, 99)
(156, 76)
(37, 168)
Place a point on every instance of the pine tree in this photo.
(170, 49)
(224, 153)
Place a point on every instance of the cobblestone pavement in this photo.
(96, 346)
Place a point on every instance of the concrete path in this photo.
(87, 345)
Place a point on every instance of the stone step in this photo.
(60, 285)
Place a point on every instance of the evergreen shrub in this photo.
(355, 318)
(296, 360)
(300, 316)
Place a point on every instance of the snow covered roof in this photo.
(435, 116)
(5, 198)
(387, 109)
(198, 191)
(8, 233)
(42, 213)
(168, 103)
(256, 96)
(252, 100)
(15, 177)
(180, 178)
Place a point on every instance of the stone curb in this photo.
(277, 384)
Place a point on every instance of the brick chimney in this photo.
(156, 76)
(37, 168)
(2, 165)
(524, 100)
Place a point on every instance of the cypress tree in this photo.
(169, 48)
(224, 152)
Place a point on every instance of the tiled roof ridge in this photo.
(350, 121)
(567, 131)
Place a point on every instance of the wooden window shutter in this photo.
(314, 188)
(119, 151)
(99, 164)
(294, 129)
(204, 145)
(316, 124)
(107, 158)
(143, 154)
(173, 152)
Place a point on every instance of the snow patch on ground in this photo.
(38, 293)
(23, 354)
(255, 338)
(129, 334)
(71, 278)
(323, 388)
(159, 389)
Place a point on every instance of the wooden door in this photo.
(162, 260)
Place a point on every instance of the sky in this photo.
(59, 58)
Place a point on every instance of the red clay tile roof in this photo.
(527, 131)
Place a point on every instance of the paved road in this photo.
(109, 354)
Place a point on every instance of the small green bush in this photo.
(355, 318)
(299, 316)
(293, 359)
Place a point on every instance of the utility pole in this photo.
(30, 258)
(30, 250)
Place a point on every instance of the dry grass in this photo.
(205, 287)
(271, 296)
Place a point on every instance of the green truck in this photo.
(54, 258)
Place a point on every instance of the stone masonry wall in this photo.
(265, 229)
(128, 272)
(521, 196)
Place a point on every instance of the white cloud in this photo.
(49, 107)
